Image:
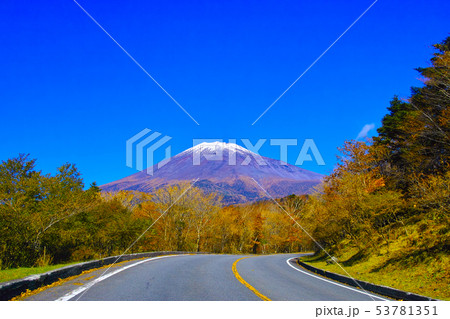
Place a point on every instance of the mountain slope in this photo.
(227, 169)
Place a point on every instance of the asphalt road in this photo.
(205, 277)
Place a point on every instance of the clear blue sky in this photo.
(69, 94)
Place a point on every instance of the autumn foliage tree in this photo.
(396, 186)
(416, 132)
(32, 204)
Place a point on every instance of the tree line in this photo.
(393, 190)
(51, 219)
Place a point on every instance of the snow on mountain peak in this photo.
(217, 147)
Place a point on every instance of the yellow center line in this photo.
(246, 284)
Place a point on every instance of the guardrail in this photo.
(381, 290)
(13, 288)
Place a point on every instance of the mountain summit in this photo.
(227, 169)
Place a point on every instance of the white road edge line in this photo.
(333, 282)
(75, 292)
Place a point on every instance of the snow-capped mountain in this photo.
(227, 169)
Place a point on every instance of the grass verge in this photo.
(18, 273)
(419, 273)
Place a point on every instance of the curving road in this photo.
(205, 277)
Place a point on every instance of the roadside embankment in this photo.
(378, 289)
